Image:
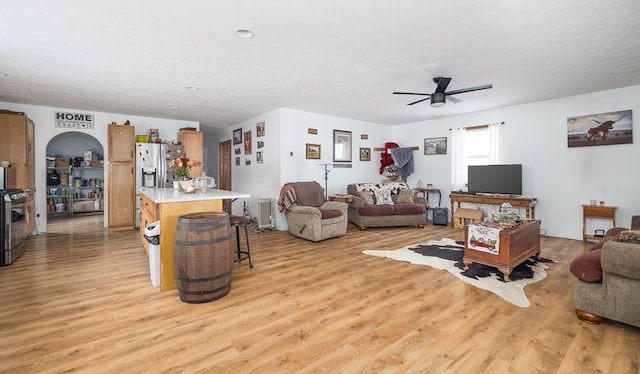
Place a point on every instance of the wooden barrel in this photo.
(203, 256)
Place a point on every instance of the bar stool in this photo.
(238, 221)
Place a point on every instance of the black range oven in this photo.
(13, 226)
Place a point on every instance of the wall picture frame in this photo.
(600, 129)
(260, 129)
(365, 154)
(247, 143)
(237, 136)
(312, 151)
(435, 146)
(341, 146)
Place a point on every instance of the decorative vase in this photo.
(185, 184)
(176, 185)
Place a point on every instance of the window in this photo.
(477, 146)
(481, 145)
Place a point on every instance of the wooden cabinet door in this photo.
(121, 143)
(30, 216)
(192, 142)
(16, 146)
(31, 155)
(122, 206)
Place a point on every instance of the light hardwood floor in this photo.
(80, 300)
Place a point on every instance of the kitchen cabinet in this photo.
(17, 147)
(122, 204)
(192, 148)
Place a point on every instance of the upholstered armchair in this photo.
(309, 215)
(608, 284)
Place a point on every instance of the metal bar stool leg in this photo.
(242, 255)
(246, 234)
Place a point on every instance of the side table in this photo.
(427, 191)
(340, 198)
(596, 211)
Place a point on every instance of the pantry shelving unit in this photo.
(82, 191)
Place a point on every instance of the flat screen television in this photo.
(498, 179)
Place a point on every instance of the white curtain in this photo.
(458, 159)
(496, 150)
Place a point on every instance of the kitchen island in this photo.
(167, 205)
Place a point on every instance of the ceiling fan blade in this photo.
(442, 83)
(411, 93)
(470, 89)
(453, 99)
(419, 101)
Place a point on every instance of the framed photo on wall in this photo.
(313, 151)
(365, 154)
(260, 129)
(237, 136)
(247, 143)
(435, 146)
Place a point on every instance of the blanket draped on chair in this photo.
(301, 193)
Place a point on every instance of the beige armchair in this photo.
(608, 284)
(309, 215)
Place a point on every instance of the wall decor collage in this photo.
(245, 138)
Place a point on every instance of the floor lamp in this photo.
(326, 165)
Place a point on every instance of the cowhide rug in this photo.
(447, 254)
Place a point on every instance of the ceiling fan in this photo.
(439, 96)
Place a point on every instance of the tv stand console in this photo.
(528, 203)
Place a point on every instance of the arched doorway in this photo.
(78, 188)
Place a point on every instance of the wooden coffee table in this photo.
(517, 244)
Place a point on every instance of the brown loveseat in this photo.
(608, 284)
(385, 204)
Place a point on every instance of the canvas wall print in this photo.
(600, 129)
(247, 143)
(435, 146)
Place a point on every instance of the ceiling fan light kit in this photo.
(439, 97)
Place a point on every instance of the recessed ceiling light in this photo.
(174, 106)
(2, 75)
(191, 88)
(244, 33)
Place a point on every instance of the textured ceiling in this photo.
(342, 58)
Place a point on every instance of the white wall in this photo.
(561, 178)
(45, 130)
(286, 132)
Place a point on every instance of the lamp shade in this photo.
(438, 99)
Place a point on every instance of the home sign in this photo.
(74, 120)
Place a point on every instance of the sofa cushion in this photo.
(376, 210)
(366, 197)
(383, 197)
(405, 196)
(329, 213)
(408, 209)
(629, 236)
(587, 266)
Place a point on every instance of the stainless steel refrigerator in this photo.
(152, 168)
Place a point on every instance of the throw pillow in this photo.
(405, 196)
(632, 236)
(368, 199)
(587, 267)
(383, 197)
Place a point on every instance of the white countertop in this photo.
(170, 195)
